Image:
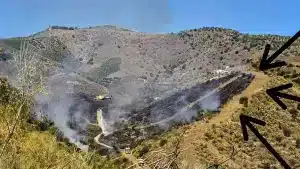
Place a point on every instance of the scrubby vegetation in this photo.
(26, 143)
(244, 101)
(281, 131)
(110, 66)
(51, 48)
(290, 72)
(223, 142)
(14, 42)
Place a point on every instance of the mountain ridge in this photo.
(124, 63)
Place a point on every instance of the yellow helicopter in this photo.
(101, 97)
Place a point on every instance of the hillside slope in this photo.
(218, 139)
(102, 60)
(172, 59)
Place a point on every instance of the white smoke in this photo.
(56, 106)
(26, 69)
(130, 91)
(126, 93)
(105, 125)
(209, 101)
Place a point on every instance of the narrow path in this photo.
(194, 135)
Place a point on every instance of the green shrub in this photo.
(297, 80)
(280, 72)
(253, 44)
(162, 142)
(8, 94)
(294, 74)
(286, 131)
(293, 111)
(52, 130)
(142, 150)
(244, 100)
(46, 124)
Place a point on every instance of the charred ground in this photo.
(91, 61)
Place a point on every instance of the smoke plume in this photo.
(59, 107)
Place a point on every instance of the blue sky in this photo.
(24, 17)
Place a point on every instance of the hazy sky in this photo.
(24, 17)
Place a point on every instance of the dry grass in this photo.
(282, 132)
(211, 141)
(215, 140)
(22, 145)
(30, 148)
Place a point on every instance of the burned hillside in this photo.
(184, 106)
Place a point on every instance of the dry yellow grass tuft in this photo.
(40, 150)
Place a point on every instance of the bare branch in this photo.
(29, 82)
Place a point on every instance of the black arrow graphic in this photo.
(275, 94)
(266, 63)
(246, 121)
